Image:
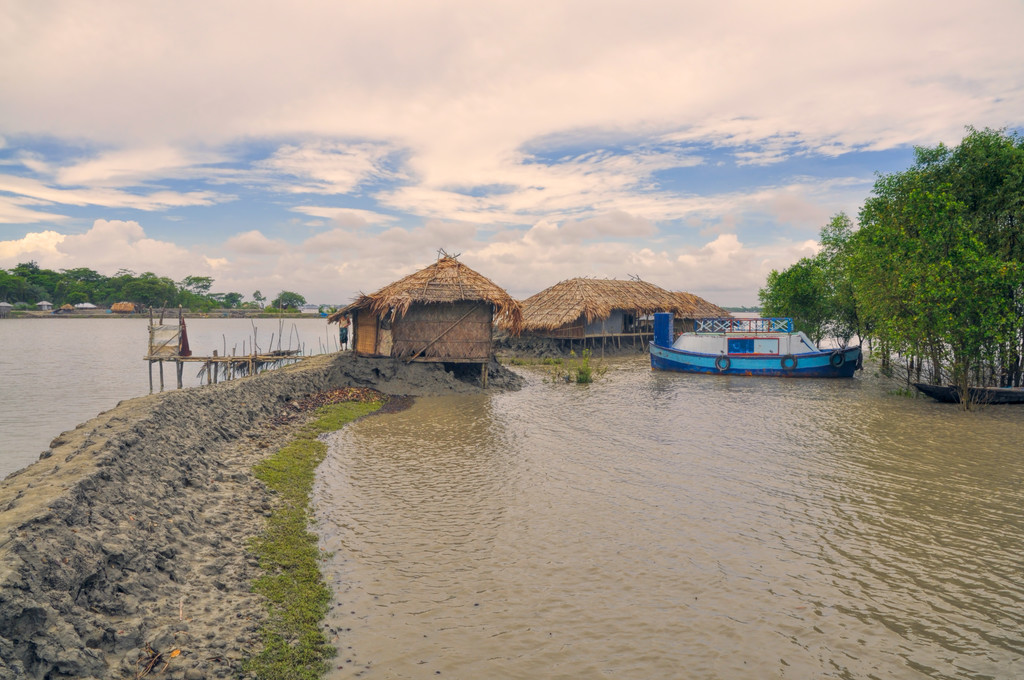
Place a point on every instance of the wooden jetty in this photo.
(169, 343)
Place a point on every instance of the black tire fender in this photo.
(722, 363)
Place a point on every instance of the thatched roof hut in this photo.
(123, 307)
(444, 312)
(696, 307)
(585, 308)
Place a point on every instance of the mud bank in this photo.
(127, 540)
(532, 347)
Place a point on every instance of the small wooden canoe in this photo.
(950, 394)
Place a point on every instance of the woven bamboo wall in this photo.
(571, 331)
(470, 338)
(365, 329)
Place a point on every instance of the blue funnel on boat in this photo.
(663, 329)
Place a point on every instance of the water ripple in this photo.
(658, 525)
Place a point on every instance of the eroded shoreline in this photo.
(129, 536)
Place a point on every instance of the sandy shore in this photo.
(129, 536)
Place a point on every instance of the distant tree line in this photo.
(934, 275)
(28, 283)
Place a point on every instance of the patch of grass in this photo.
(294, 646)
(579, 370)
(533, 361)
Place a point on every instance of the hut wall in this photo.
(570, 331)
(365, 332)
(613, 325)
(469, 340)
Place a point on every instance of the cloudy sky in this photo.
(331, 147)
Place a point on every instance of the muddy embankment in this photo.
(532, 347)
(127, 539)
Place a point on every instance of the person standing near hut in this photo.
(343, 333)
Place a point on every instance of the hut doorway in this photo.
(365, 328)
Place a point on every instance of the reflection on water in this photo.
(663, 525)
(57, 373)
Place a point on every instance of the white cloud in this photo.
(498, 76)
(33, 246)
(134, 166)
(327, 167)
(345, 217)
(108, 198)
(21, 210)
(334, 265)
(109, 245)
(533, 142)
(254, 243)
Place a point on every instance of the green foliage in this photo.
(231, 300)
(936, 271)
(295, 648)
(198, 285)
(27, 282)
(288, 300)
(545, 361)
(577, 370)
(938, 265)
(818, 292)
(798, 292)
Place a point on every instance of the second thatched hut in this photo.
(442, 313)
(597, 310)
(695, 307)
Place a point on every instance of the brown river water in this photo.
(656, 525)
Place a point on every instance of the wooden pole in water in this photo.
(181, 370)
(216, 365)
(151, 376)
(161, 375)
(483, 375)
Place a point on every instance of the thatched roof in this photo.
(447, 280)
(594, 299)
(696, 307)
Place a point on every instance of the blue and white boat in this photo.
(747, 347)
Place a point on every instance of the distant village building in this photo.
(44, 306)
(86, 305)
(5, 309)
(123, 308)
(442, 313)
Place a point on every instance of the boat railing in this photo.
(766, 325)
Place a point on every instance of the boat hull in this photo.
(831, 364)
(978, 395)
